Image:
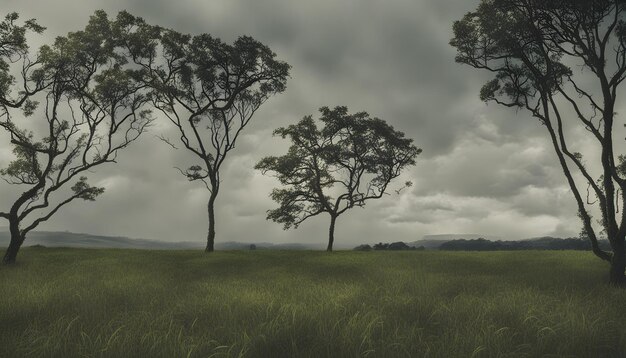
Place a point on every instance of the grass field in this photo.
(124, 303)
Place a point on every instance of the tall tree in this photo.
(529, 46)
(208, 90)
(93, 107)
(353, 157)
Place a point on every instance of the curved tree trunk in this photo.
(618, 265)
(210, 240)
(331, 233)
(561, 150)
(14, 246)
(11, 253)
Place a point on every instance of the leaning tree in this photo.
(531, 47)
(92, 106)
(207, 89)
(350, 160)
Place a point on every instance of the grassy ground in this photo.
(123, 303)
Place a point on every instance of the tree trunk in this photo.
(210, 240)
(331, 233)
(14, 246)
(618, 265)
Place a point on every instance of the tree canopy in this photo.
(351, 159)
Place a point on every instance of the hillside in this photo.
(70, 239)
(449, 237)
(433, 242)
(76, 240)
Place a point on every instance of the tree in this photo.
(529, 46)
(352, 156)
(208, 90)
(93, 107)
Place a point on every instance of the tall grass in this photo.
(123, 303)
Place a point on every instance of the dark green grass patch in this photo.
(124, 303)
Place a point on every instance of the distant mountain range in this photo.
(70, 239)
(433, 242)
(429, 242)
(449, 237)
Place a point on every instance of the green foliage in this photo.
(13, 46)
(84, 191)
(29, 107)
(76, 55)
(517, 42)
(200, 72)
(132, 303)
(621, 165)
(134, 34)
(13, 36)
(355, 153)
(26, 168)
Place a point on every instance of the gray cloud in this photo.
(484, 169)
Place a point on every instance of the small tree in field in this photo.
(209, 91)
(529, 46)
(92, 108)
(350, 160)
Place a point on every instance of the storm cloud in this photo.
(484, 169)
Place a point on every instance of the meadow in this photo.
(132, 303)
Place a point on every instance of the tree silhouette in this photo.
(93, 107)
(529, 46)
(208, 90)
(353, 157)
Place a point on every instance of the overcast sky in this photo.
(484, 169)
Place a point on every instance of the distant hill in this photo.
(433, 242)
(448, 237)
(70, 239)
(235, 245)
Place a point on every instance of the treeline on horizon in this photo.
(481, 244)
